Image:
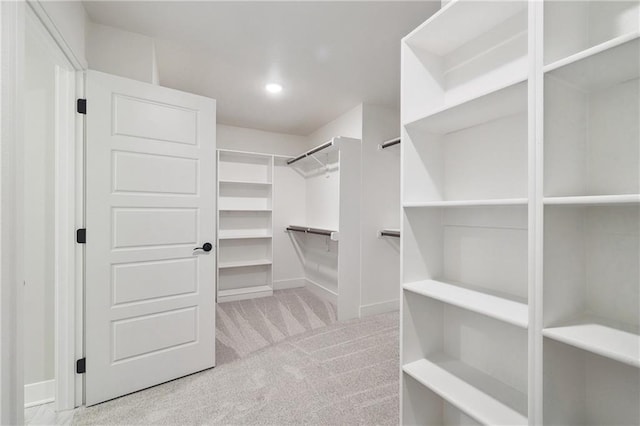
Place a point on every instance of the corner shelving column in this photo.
(591, 201)
(465, 231)
(245, 225)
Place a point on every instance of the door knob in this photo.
(205, 247)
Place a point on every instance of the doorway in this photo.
(49, 187)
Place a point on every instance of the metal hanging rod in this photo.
(389, 233)
(391, 142)
(310, 152)
(316, 231)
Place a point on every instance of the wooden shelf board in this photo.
(509, 311)
(435, 34)
(244, 293)
(602, 69)
(244, 182)
(477, 394)
(470, 203)
(244, 263)
(600, 337)
(594, 50)
(506, 100)
(593, 200)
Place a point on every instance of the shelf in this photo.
(603, 68)
(244, 182)
(436, 36)
(591, 51)
(470, 203)
(472, 391)
(508, 99)
(244, 210)
(593, 200)
(598, 336)
(244, 293)
(244, 263)
(512, 312)
(241, 235)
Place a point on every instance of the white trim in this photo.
(52, 29)
(321, 291)
(65, 177)
(290, 283)
(379, 308)
(11, 60)
(39, 393)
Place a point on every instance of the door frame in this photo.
(69, 211)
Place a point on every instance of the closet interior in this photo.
(291, 222)
(521, 149)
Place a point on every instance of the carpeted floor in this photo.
(245, 326)
(338, 374)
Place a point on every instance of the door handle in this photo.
(206, 247)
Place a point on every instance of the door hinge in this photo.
(81, 366)
(81, 236)
(81, 106)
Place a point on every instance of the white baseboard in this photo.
(321, 291)
(292, 283)
(379, 308)
(39, 393)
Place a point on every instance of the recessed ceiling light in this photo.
(273, 88)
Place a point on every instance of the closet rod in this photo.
(310, 152)
(389, 233)
(391, 142)
(316, 231)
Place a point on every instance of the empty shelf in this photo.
(241, 235)
(470, 203)
(244, 293)
(597, 336)
(591, 51)
(241, 209)
(244, 263)
(603, 69)
(592, 200)
(477, 394)
(244, 182)
(512, 312)
(505, 101)
(436, 36)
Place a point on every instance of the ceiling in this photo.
(329, 56)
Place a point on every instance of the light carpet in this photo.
(342, 374)
(245, 326)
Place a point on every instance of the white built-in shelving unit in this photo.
(245, 225)
(330, 237)
(285, 224)
(521, 214)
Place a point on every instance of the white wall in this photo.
(380, 210)
(70, 19)
(348, 124)
(243, 139)
(123, 53)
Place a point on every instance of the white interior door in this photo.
(150, 201)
